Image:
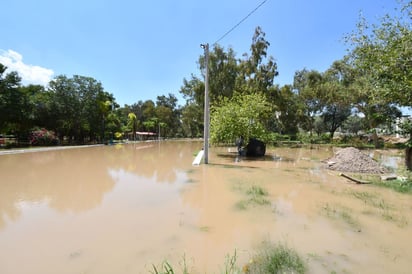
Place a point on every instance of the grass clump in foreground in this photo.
(276, 259)
(256, 195)
(271, 258)
(167, 268)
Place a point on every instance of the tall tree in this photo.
(382, 53)
(336, 89)
(168, 114)
(286, 110)
(81, 107)
(254, 74)
(308, 86)
(13, 102)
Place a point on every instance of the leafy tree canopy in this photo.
(241, 115)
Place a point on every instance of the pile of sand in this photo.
(353, 160)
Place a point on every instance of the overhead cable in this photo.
(240, 22)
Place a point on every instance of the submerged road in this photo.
(28, 150)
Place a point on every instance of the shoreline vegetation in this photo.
(269, 258)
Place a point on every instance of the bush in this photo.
(276, 259)
(313, 138)
(43, 137)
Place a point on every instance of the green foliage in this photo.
(308, 138)
(403, 185)
(353, 124)
(256, 196)
(43, 137)
(242, 115)
(231, 264)
(166, 268)
(81, 108)
(276, 259)
(341, 213)
(286, 108)
(192, 120)
(381, 55)
(406, 129)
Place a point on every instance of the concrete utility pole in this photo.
(206, 114)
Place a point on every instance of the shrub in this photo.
(276, 259)
(43, 137)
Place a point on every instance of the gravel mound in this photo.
(353, 160)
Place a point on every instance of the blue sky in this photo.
(139, 50)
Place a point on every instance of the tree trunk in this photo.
(408, 158)
(375, 139)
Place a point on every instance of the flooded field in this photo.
(125, 208)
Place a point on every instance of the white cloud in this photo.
(30, 74)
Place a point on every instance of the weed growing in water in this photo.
(256, 191)
(167, 268)
(230, 264)
(385, 210)
(339, 212)
(270, 258)
(402, 186)
(371, 199)
(276, 259)
(255, 196)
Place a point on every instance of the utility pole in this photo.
(206, 111)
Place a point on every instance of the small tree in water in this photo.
(242, 115)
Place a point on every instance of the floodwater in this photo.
(125, 208)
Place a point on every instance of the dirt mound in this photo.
(353, 160)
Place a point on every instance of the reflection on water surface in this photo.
(120, 209)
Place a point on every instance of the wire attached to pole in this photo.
(240, 22)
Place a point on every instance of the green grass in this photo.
(371, 199)
(270, 258)
(341, 213)
(166, 268)
(379, 207)
(402, 186)
(276, 259)
(231, 264)
(204, 228)
(256, 191)
(255, 196)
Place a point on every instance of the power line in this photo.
(240, 22)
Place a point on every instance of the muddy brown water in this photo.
(125, 208)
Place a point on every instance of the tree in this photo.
(307, 84)
(168, 114)
(255, 75)
(242, 115)
(286, 110)
(382, 55)
(227, 74)
(192, 120)
(223, 70)
(336, 90)
(13, 102)
(334, 116)
(81, 107)
(132, 124)
(353, 124)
